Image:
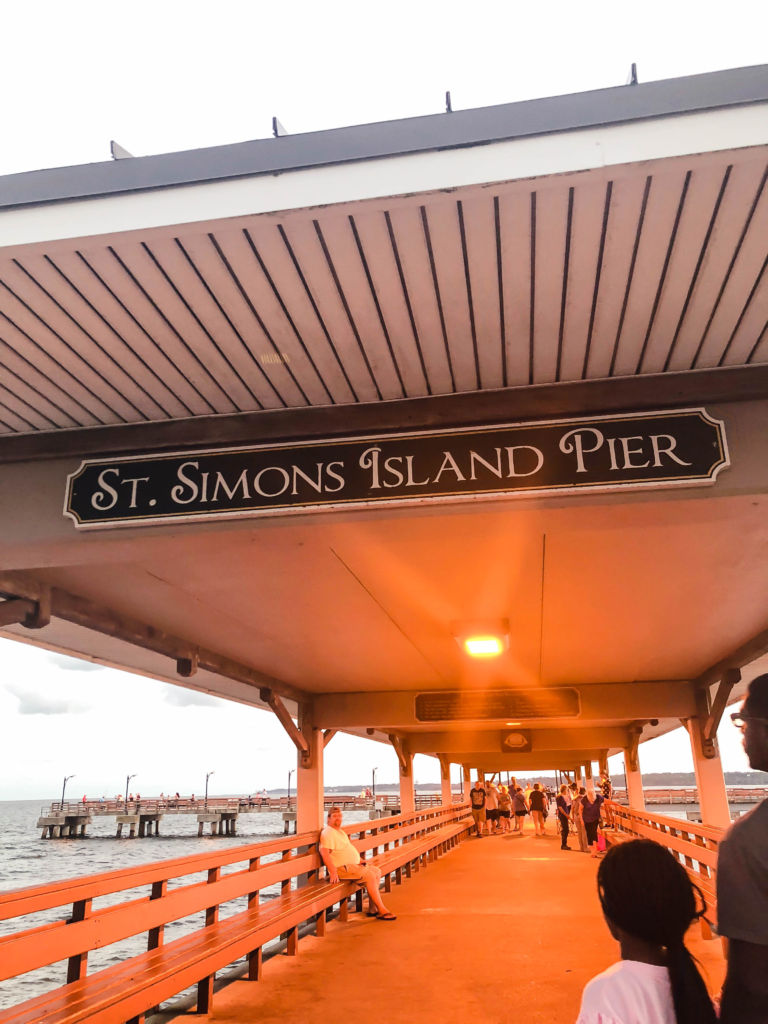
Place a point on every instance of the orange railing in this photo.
(237, 899)
(694, 844)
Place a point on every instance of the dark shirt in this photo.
(477, 797)
(563, 807)
(536, 800)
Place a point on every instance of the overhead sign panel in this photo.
(680, 447)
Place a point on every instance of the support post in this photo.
(309, 779)
(446, 796)
(590, 782)
(710, 781)
(634, 778)
(407, 794)
(466, 782)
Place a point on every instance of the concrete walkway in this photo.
(500, 930)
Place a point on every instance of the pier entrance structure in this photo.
(286, 421)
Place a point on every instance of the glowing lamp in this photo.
(483, 640)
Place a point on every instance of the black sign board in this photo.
(683, 447)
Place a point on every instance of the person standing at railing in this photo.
(343, 862)
(742, 880)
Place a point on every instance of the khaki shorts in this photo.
(478, 815)
(359, 873)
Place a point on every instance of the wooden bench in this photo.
(130, 989)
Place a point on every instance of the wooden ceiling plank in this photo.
(409, 237)
(664, 199)
(587, 225)
(104, 319)
(307, 248)
(550, 240)
(248, 382)
(515, 231)
(157, 265)
(394, 299)
(340, 240)
(167, 322)
(271, 256)
(480, 230)
(624, 215)
(743, 185)
(701, 214)
(444, 231)
(257, 314)
(102, 277)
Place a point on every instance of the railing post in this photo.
(77, 965)
(255, 955)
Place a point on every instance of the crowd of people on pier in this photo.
(499, 809)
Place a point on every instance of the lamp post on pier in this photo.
(207, 776)
(373, 783)
(290, 773)
(127, 783)
(66, 780)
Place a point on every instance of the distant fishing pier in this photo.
(141, 818)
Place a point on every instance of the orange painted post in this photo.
(254, 964)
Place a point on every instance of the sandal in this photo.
(387, 917)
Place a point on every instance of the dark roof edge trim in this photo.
(475, 408)
(408, 136)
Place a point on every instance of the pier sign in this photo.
(676, 448)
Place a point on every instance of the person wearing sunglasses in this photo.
(742, 880)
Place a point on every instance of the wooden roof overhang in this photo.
(577, 255)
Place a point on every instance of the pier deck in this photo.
(503, 929)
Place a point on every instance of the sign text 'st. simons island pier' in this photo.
(651, 450)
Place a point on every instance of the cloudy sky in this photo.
(166, 75)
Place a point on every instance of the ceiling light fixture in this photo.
(482, 639)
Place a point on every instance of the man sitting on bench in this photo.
(343, 862)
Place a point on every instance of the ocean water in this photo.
(26, 860)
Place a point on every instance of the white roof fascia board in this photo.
(512, 160)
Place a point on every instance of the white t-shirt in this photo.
(340, 846)
(629, 992)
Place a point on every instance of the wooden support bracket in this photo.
(15, 610)
(631, 751)
(402, 757)
(299, 739)
(730, 678)
(445, 767)
(328, 735)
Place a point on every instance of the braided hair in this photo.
(645, 891)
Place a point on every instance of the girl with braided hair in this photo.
(649, 903)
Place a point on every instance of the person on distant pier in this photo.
(742, 880)
(477, 804)
(343, 862)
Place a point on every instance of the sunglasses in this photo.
(740, 720)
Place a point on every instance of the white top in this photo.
(338, 843)
(629, 992)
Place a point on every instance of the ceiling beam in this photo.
(449, 742)
(502, 405)
(90, 615)
(539, 761)
(601, 703)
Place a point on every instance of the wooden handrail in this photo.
(695, 845)
(84, 928)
